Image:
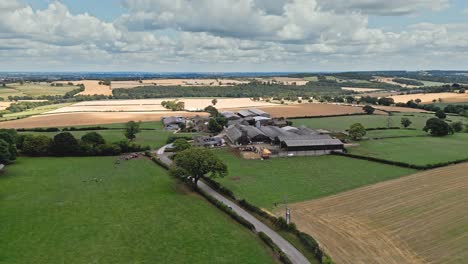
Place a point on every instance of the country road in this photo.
(294, 254)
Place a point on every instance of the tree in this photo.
(440, 114)
(65, 144)
(457, 126)
(406, 122)
(131, 129)
(4, 152)
(368, 109)
(357, 131)
(349, 99)
(418, 101)
(437, 127)
(36, 145)
(214, 101)
(212, 110)
(217, 124)
(181, 144)
(93, 138)
(194, 163)
(462, 90)
(387, 101)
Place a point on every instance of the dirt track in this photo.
(421, 218)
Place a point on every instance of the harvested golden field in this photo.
(422, 218)
(429, 97)
(4, 105)
(79, 119)
(92, 87)
(300, 110)
(176, 82)
(360, 90)
(191, 104)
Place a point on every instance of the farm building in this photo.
(241, 134)
(273, 133)
(173, 122)
(252, 113)
(206, 141)
(200, 123)
(230, 116)
(261, 121)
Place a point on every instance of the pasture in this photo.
(417, 150)
(34, 111)
(310, 109)
(89, 210)
(341, 123)
(34, 89)
(416, 219)
(265, 182)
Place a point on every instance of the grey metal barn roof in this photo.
(252, 132)
(273, 132)
(252, 112)
(233, 133)
(246, 113)
(312, 142)
(258, 112)
(173, 120)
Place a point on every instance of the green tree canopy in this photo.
(65, 144)
(217, 124)
(4, 152)
(93, 138)
(181, 144)
(440, 114)
(131, 129)
(368, 109)
(194, 163)
(406, 122)
(357, 131)
(212, 111)
(437, 127)
(36, 145)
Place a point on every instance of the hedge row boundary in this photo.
(279, 222)
(401, 164)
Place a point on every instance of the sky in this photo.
(233, 35)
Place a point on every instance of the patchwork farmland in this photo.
(415, 219)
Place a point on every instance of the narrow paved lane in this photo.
(286, 247)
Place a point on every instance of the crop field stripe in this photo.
(416, 219)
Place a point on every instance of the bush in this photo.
(171, 139)
(36, 145)
(109, 150)
(65, 144)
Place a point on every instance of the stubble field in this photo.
(416, 219)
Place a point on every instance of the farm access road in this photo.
(294, 255)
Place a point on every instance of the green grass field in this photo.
(341, 123)
(34, 89)
(417, 150)
(264, 182)
(34, 111)
(395, 133)
(53, 212)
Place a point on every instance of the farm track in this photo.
(416, 219)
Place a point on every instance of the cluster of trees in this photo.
(457, 109)
(217, 121)
(252, 90)
(8, 150)
(23, 106)
(386, 101)
(65, 144)
(408, 82)
(173, 105)
(438, 127)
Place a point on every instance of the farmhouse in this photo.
(173, 122)
(230, 116)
